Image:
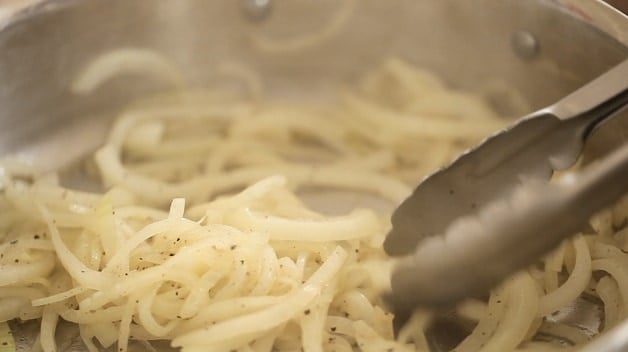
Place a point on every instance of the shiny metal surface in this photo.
(45, 43)
(547, 140)
(507, 235)
(486, 189)
(59, 37)
(525, 45)
(256, 10)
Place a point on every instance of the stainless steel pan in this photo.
(542, 49)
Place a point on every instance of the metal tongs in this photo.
(492, 211)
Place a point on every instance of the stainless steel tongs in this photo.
(492, 211)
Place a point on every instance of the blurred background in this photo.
(622, 5)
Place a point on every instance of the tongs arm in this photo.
(550, 139)
(506, 235)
